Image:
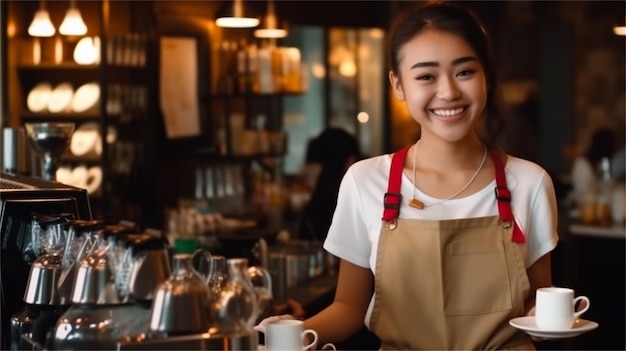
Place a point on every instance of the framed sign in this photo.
(184, 84)
(178, 82)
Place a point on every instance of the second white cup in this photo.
(288, 334)
(555, 308)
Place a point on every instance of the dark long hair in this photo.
(460, 21)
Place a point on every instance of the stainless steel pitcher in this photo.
(181, 303)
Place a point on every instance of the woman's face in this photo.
(443, 84)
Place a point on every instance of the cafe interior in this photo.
(178, 136)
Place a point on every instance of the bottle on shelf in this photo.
(605, 193)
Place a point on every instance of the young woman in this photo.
(466, 231)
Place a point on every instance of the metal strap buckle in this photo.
(503, 194)
(392, 205)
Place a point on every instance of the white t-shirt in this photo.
(356, 225)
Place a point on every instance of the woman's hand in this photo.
(291, 307)
(272, 319)
(531, 312)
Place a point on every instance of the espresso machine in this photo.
(44, 304)
(20, 198)
(113, 290)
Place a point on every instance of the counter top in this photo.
(613, 232)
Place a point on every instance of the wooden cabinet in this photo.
(111, 101)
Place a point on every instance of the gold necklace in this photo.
(415, 203)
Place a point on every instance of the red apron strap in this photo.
(503, 196)
(393, 197)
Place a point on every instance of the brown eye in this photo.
(466, 72)
(425, 77)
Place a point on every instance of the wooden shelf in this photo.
(253, 95)
(47, 66)
(67, 116)
(212, 154)
(71, 159)
(72, 66)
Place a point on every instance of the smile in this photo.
(448, 112)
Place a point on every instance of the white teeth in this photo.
(446, 113)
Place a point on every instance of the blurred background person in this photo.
(586, 171)
(618, 165)
(328, 157)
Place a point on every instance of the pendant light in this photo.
(269, 28)
(41, 26)
(234, 17)
(73, 23)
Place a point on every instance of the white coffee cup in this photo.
(288, 334)
(555, 308)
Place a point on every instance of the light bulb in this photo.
(234, 18)
(41, 26)
(270, 33)
(237, 22)
(73, 23)
(270, 28)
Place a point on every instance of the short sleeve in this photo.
(542, 230)
(347, 236)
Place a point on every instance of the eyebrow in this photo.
(455, 62)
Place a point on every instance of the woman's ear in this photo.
(396, 86)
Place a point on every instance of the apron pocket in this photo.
(475, 279)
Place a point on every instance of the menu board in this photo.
(179, 87)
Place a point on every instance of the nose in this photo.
(448, 89)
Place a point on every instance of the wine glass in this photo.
(50, 140)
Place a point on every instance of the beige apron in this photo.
(449, 285)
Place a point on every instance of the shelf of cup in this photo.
(28, 116)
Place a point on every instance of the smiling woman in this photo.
(443, 86)
(468, 260)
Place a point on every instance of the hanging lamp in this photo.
(41, 26)
(269, 27)
(234, 17)
(73, 23)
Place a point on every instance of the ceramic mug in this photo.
(555, 308)
(288, 334)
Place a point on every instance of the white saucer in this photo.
(528, 325)
(86, 97)
(84, 139)
(87, 51)
(61, 98)
(39, 97)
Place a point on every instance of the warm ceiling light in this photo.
(619, 30)
(73, 23)
(41, 26)
(269, 28)
(234, 17)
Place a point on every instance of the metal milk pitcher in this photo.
(180, 304)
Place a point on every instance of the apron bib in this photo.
(449, 284)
